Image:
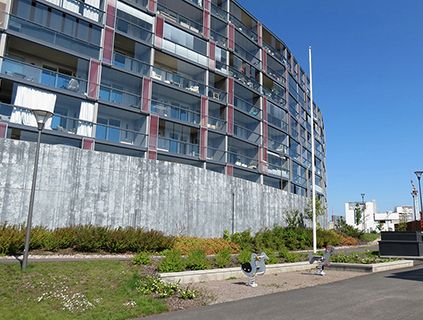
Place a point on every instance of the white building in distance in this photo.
(372, 220)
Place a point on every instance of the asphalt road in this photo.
(388, 295)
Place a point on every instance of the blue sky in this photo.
(368, 82)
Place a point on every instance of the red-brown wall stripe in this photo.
(153, 134)
(152, 5)
(146, 94)
(230, 127)
(206, 23)
(88, 143)
(159, 31)
(93, 78)
(231, 37)
(110, 15)
(212, 55)
(264, 60)
(3, 129)
(260, 34)
(230, 90)
(203, 143)
(229, 170)
(108, 45)
(204, 111)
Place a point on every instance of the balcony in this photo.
(219, 38)
(274, 95)
(219, 12)
(216, 124)
(241, 77)
(175, 111)
(183, 21)
(23, 71)
(242, 161)
(217, 94)
(277, 75)
(130, 64)
(247, 107)
(272, 51)
(141, 4)
(178, 147)
(133, 27)
(278, 146)
(247, 56)
(119, 96)
(113, 134)
(299, 180)
(198, 3)
(36, 31)
(277, 122)
(248, 31)
(179, 81)
(216, 155)
(279, 170)
(246, 134)
(81, 8)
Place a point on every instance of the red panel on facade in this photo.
(152, 155)
(108, 45)
(231, 37)
(93, 78)
(3, 129)
(265, 134)
(159, 31)
(204, 111)
(264, 60)
(264, 109)
(146, 94)
(203, 143)
(154, 131)
(110, 15)
(207, 5)
(88, 144)
(230, 90)
(206, 24)
(230, 128)
(212, 55)
(260, 34)
(265, 154)
(152, 5)
(229, 170)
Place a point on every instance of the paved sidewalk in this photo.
(381, 296)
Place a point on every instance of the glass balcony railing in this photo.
(219, 12)
(251, 58)
(50, 36)
(139, 3)
(276, 74)
(216, 124)
(278, 146)
(299, 180)
(50, 78)
(294, 155)
(216, 155)
(219, 38)
(217, 94)
(246, 134)
(178, 80)
(175, 112)
(252, 34)
(121, 136)
(242, 160)
(282, 124)
(278, 170)
(180, 19)
(274, 95)
(319, 154)
(178, 147)
(119, 96)
(133, 30)
(196, 2)
(130, 64)
(247, 107)
(272, 51)
(306, 163)
(244, 79)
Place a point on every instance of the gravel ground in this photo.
(236, 289)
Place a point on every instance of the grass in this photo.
(73, 290)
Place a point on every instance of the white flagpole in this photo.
(313, 168)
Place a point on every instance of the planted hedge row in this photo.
(84, 239)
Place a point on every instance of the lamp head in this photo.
(418, 174)
(41, 116)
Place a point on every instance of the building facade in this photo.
(198, 82)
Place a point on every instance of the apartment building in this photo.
(198, 82)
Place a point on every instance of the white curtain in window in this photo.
(31, 98)
(86, 113)
(89, 12)
(72, 5)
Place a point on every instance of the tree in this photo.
(358, 213)
(320, 209)
(294, 219)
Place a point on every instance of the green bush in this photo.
(153, 285)
(223, 258)
(142, 258)
(244, 239)
(172, 262)
(11, 239)
(197, 260)
(244, 256)
(368, 237)
(188, 294)
(273, 259)
(290, 257)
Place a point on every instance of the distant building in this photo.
(372, 220)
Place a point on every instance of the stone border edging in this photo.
(225, 273)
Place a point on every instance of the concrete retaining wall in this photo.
(77, 186)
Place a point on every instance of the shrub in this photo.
(39, 235)
(197, 260)
(172, 262)
(11, 239)
(210, 246)
(244, 239)
(142, 258)
(368, 237)
(153, 285)
(272, 257)
(349, 241)
(289, 257)
(90, 238)
(223, 258)
(187, 294)
(244, 256)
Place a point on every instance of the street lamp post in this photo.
(41, 116)
(363, 208)
(419, 175)
(414, 193)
